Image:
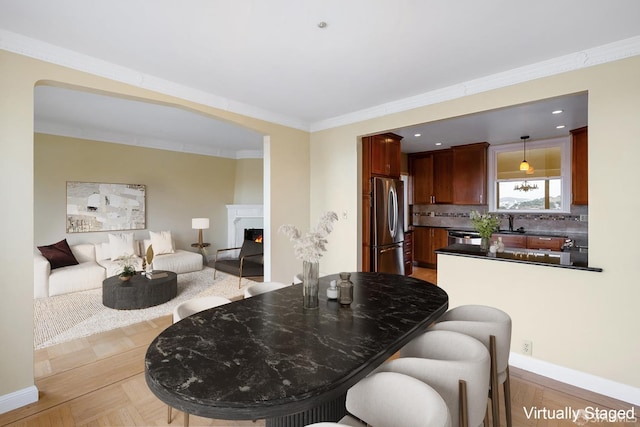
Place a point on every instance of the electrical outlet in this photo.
(584, 218)
(527, 347)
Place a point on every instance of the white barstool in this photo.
(492, 327)
(261, 288)
(455, 365)
(185, 309)
(393, 399)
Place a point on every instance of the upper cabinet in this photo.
(432, 177)
(470, 174)
(385, 154)
(454, 176)
(579, 166)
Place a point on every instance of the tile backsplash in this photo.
(575, 224)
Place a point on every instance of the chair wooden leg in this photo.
(495, 392)
(168, 414)
(507, 398)
(186, 420)
(486, 416)
(463, 411)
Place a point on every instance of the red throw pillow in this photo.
(59, 254)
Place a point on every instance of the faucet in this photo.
(510, 222)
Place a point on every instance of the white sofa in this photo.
(95, 265)
(87, 274)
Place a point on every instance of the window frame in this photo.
(565, 165)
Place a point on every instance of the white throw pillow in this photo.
(121, 245)
(161, 242)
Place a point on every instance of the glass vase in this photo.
(484, 243)
(310, 274)
(345, 289)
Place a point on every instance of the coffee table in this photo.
(139, 291)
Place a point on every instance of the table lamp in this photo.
(200, 224)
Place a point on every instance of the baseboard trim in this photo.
(613, 389)
(18, 399)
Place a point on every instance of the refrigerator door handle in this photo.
(393, 211)
(395, 248)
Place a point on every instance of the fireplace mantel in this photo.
(240, 217)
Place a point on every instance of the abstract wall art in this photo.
(95, 206)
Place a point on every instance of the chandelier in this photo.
(525, 186)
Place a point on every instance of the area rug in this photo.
(79, 314)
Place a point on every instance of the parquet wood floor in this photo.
(99, 381)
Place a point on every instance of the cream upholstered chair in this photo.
(185, 309)
(392, 399)
(454, 365)
(261, 288)
(192, 306)
(492, 327)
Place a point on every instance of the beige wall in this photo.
(586, 321)
(286, 175)
(248, 182)
(179, 186)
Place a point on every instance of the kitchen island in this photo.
(573, 259)
(267, 357)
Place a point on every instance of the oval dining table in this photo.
(266, 357)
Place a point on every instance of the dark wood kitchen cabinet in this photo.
(385, 154)
(470, 174)
(425, 242)
(550, 243)
(579, 166)
(408, 253)
(432, 177)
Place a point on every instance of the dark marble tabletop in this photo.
(266, 356)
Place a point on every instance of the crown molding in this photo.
(47, 52)
(50, 53)
(586, 58)
(46, 127)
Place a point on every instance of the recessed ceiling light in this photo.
(322, 24)
(417, 135)
(560, 127)
(438, 143)
(557, 111)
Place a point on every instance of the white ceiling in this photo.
(270, 59)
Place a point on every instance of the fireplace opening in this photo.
(254, 234)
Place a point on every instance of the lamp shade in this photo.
(200, 223)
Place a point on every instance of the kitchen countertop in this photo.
(573, 259)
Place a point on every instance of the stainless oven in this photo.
(464, 237)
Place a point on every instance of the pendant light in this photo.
(524, 166)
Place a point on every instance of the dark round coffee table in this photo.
(139, 291)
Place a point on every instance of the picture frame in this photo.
(99, 206)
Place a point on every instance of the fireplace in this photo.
(254, 234)
(240, 218)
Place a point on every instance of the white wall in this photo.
(580, 320)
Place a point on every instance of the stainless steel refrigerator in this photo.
(387, 226)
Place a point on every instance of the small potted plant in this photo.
(485, 224)
(128, 267)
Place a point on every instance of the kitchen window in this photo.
(545, 187)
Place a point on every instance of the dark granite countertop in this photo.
(574, 259)
(267, 357)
